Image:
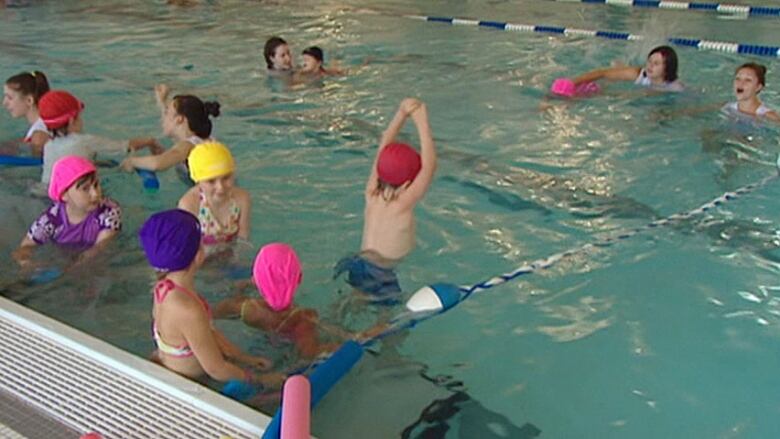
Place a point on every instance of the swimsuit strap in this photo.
(165, 286)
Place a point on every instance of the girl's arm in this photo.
(388, 136)
(773, 116)
(159, 162)
(626, 73)
(195, 326)
(37, 141)
(229, 308)
(422, 182)
(24, 252)
(245, 220)
(232, 351)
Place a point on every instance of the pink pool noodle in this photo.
(296, 407)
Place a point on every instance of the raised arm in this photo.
(389, 135)
(422, 182)
(625, 73)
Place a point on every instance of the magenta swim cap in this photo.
(277, 274)
(67, 171)
(398, 163)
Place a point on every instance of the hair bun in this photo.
(211, 108)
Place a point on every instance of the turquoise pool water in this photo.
(673, 333)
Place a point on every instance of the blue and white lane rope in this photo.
(745, 49)
(766, 11)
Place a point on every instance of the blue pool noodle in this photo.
(322, 380)
(15, 160)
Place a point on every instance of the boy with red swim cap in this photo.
(399, 178)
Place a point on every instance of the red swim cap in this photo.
(58, 107)
(398, 163)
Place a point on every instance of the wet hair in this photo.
(314, 52)
(270, 50)
(32, 83)
(758, 69)
(197, 113)
(670, 61)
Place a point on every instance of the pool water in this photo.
(672, 333)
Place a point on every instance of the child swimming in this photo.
(312, 67)
(400, 177)
(277, 56)
(187, 343)
(749, 81)
(277, 274)
(186, 120)
(21, 94)
(659, 72)
(61, 112)
(79, 218)
(224, 210)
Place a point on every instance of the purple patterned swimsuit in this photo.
(53, 225)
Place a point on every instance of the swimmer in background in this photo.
(186, 120)
(277, 56)
(399, 178)
(21, 94)
(312, 67)
(223, 209)
(187, 342)
(80, 217)
(749, 80)
(62, 114)
(659, 72)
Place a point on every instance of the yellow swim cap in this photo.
(210, 160)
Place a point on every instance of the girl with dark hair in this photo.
(21, 94)
(749, 80)
(659, 72)
(277, 55)
(186, 120)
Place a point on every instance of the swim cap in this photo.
(398, 163)
(210, 160)
(277, 274)
(58, 107)
(170, 239)
(67, 171)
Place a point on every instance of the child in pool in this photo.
(277, 56)
(61, 112)
(222, 208)
(185, 119)
(659, 72)
(400, 177)
(187, 343)
(277, 274)
(749, 80)
(79, 217)
(312, 66)
(21, 94)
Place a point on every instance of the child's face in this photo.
(655, 66)
(15, 102)
(169, 119)
(746, 84)
(218, 189)
(310, 64)
(282, 59)
(85, 197)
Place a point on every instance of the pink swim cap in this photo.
(398, 163)
(277, 274)
(67, 171)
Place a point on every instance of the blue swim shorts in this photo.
(370, 278)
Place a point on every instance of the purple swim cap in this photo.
(170, 239)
